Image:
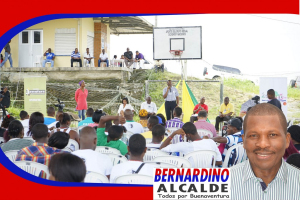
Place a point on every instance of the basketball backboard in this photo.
(187, 39)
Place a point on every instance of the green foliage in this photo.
(15, 112)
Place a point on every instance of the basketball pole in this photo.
(184, 70)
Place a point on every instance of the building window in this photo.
(24, 37)
(37, 37)
(65, 41)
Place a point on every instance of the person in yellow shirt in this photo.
(225, 113)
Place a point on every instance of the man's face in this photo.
(103, 51)
(169, 83)
(5, 90)
(231, 130)
(87, 50)
(127, 49)
(202, 101)
(226, 101)
(76, 50)
(137, 53)
(148, 100)
(49, 50)
(265, 142)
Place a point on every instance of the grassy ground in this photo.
(238, 91)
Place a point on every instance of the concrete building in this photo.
(64, 35)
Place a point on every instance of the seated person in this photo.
(124, 106)
(94, 161)
(75, 57)
(16, 133)
(294, 130)
(152, 121)
(122, 58)
(189, 131)
(128, 58)
(88, 58)
(59, 140)
(203, 124)
(290, 150)
(131, 125)
(103, 57)
(50, 118)
(56, 123)
(158, 134)
(175, 122)
(225, 112)
(159, 65)
(24, 120)
(88, 120)
(139, 59)
(197, 108)
(115, 64)
(115, 133)
(163, 119)
(4, 126)
(143, 118)
(136, 149)
(149, 106)
(233, 137)
(96, 118)
(66, 167)
(294, 160)
(65, 121)
(39, 151)
(49, 57)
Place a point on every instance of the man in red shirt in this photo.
(199, 107)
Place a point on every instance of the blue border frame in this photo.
(4, 39)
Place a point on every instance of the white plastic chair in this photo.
(116, 158)
(202, 158)
(73, 145)
(12, 154)
(150, 155)
(126, 136)
(237, 153)
(33, 168)
(162, 164)
(93, 177)
(67, 149)
(106, 150)
(134, 179)
(174, 160)
(1, 140)
(146, 129)
(204, 132)
(177, 138)
(38, 60)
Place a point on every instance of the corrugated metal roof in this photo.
(127, 25)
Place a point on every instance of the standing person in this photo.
(49, 57)
(225, 112)
(128, 58)
(87, 59)
(149, 106)
(273, 100)
(7, 55)
(171, 97)
(103, 57)
(139, 59)
(5, 100)
(75, 57)
(80, 98)
(265, 175)
(124, 106)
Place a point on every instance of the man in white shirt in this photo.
(94, 161)
(136, 149)
(88, 59)
(24, 120)
(189, 131)
(103, 57)
(131, 125)
(159, 65)
(149, 106)
(158, 134)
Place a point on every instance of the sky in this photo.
(255, 44)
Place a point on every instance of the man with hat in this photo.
(233, 137)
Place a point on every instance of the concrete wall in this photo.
(13, 75)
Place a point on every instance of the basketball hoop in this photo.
(176, 53)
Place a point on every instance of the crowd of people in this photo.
(272, 147)
(88, 59)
